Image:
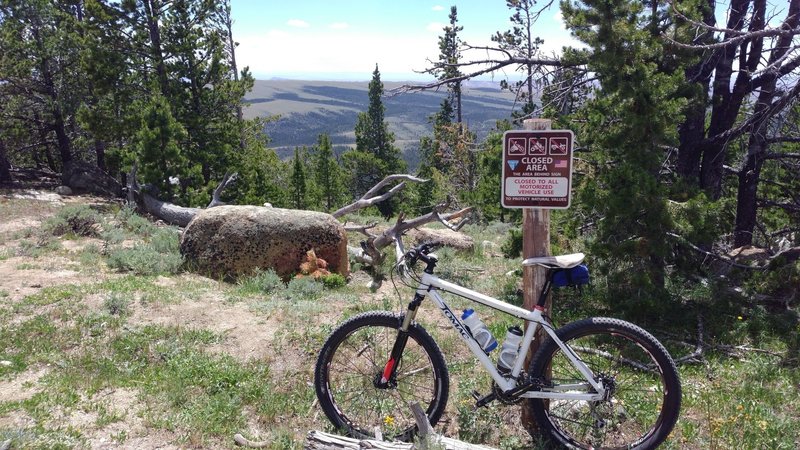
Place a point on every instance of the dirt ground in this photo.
(247, 336)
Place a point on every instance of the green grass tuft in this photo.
(80, 220)
(261, 282)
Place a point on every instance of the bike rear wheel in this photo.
(645, 389)
(350, 366)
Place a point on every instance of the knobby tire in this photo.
(355, 355)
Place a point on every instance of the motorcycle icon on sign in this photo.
(516, 146)
(558, 146)
(538, 146)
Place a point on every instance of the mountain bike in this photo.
(594, 383)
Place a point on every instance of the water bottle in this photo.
(509, 350)
(479, 331)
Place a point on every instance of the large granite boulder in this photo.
(87, 177)
(229, 241)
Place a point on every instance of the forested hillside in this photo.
(310, 108)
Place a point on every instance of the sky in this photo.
(344, 39)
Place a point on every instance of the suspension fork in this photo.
(390, 369)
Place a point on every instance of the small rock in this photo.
(374, 285)
(5, 363)
(63, 190)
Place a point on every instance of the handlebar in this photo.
(422, 252)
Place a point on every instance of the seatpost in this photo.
(545, 290)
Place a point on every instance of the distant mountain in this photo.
(309, 108)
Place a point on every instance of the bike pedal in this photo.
(483, 401)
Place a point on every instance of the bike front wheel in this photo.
(348, 377)
(644, 389)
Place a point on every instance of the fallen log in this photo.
(427, 439)
(169, 212)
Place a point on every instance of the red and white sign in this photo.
(537, 169)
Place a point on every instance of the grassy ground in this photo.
(105, 342)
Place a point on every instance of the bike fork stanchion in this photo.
(390, 368)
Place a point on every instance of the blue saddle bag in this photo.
(575, 276)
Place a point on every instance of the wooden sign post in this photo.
(536, 176)
(535, 242)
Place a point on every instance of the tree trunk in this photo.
(691, 133)
(746, 207)
(100, 153)
(151, 8)
(43, 132)
(234, 68)
(725, 105)
(59, 127)
(750, 173)
(457, 90)
(5, 166)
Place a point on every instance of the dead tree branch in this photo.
(370, 197)
(427, 439)
(722, 258)
(372, 247)
(697, 355)
(480, 67)
(227, 180)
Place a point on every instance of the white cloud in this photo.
(271, 54)
(435, 26)
(277, 34)
(297, 23)
(559, 19)
(339, 26)
(438, 8)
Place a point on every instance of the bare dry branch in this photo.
(363, 229)
(697, 354)
(760, 34)
(487, 65)
(371, 197)
(722, 258)
(227, 180)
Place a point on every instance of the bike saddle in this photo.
(553, 262)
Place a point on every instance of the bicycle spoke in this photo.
(626, 369)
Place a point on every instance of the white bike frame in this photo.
(429, 284)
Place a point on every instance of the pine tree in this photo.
(490, 165)
(628, 126)
(521, 43)
(40, 82)
(263, 176)
(299, 186)
(5, 166)
(158, 152)
(107, 113)
(375, 155)
(447, 68)
(327, 174)
(372, 131)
